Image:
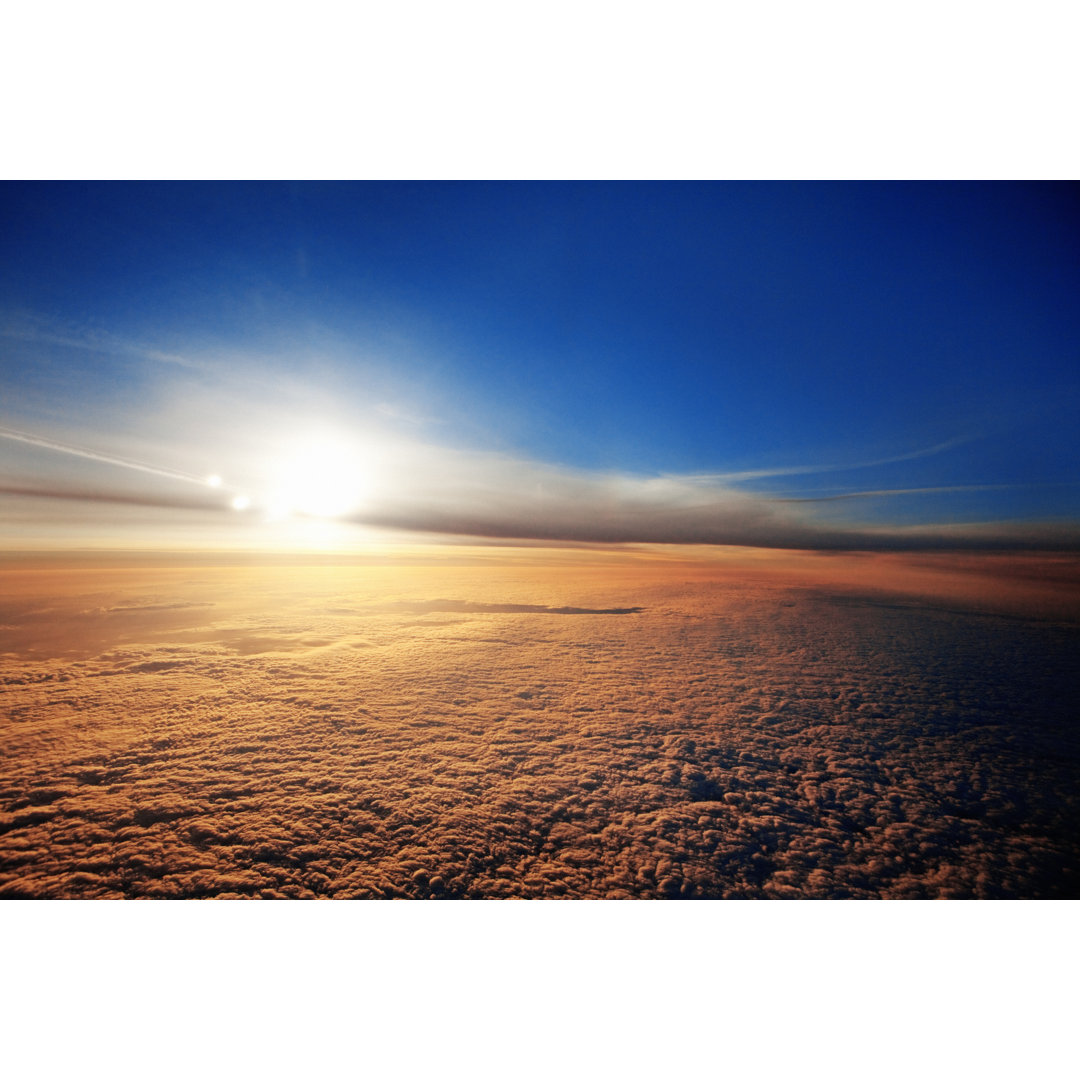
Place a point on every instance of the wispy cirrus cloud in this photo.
(882, 493)
(33, 329)
(810, 470)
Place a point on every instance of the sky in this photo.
(807, 365)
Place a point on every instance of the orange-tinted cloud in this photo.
(611, 727)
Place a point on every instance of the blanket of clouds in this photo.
(519, 728)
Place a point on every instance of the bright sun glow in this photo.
(321, 477)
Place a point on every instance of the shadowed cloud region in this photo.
(423, 607)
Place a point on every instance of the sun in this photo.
(322, 477)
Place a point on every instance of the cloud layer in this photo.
(628, 730)
(391, 483)
(493, 496)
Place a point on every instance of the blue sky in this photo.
(831, 360)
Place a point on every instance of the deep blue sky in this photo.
(648, 328)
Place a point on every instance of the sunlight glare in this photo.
(319, 478)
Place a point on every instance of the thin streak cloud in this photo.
(34, 330)
(886, 492)
(809, 470)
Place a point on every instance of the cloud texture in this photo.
(638, 729)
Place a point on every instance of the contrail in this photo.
(94, 455)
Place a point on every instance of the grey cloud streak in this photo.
(118, 498)
(501, 498)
